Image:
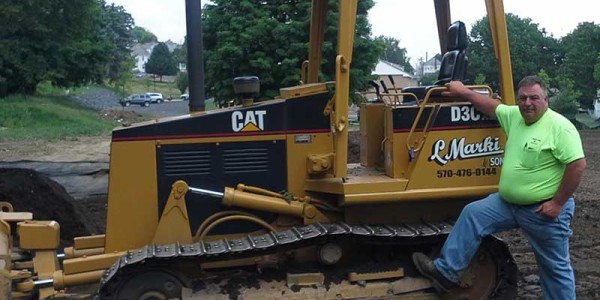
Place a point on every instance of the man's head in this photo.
(532, 98)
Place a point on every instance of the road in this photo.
(165, 109)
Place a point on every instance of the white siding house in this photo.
(142, 52)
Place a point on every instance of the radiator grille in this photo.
(245, 160)
(186, 163)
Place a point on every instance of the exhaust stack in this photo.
(195, 57)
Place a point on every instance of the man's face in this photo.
(533, 102)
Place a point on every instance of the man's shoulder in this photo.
(561, 128)
(506, 110)
(507, 115)
(559, 121)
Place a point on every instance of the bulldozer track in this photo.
(153, 257)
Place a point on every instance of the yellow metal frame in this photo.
(442, 14)
(132, 214)
(343, 60)
(318, 23)
(497, 21)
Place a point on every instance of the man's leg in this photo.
(550, 242)
(477, 220)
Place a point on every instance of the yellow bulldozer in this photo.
(257, 200)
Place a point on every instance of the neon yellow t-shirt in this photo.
(535, 155)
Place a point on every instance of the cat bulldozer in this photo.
(258, 200)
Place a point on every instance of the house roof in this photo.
(146, 48)
(143, 49)
(171, 45)
(387, 68)
(434, 61)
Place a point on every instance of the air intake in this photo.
(186, 163)
(245, 160)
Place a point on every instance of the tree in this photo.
(181, 81)
(394, 53)
(531, 49)
(59, 41)
(117, 26)
(428, 79)
(161, 61)
(545, 77)
(268, 40)
(582, 47)
(143, 35)
(180, 53)
(597, 69)
(125, 75)
(479, 79)
(564, 102)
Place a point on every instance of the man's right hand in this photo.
(483, 103)
(455, 89)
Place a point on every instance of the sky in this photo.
(395, 18)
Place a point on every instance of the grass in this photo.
(45, 89)
(48, 117)
(51, 115)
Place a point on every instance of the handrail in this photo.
(397, 102)
(304, 72)
(428, 125)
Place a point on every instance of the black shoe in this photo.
(425, 266)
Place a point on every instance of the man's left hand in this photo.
(549, 209)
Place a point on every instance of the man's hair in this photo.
(531, 81)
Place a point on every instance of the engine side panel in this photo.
(216, 165)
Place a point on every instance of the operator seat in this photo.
(454, 61)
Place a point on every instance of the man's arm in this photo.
(483, 103)
(568, 185)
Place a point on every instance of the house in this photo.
(171, 45)
(385, 69)
(142, 52)
(430, 66)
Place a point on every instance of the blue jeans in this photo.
(548, 238)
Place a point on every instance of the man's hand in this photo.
(455, 89)
(549, 209)
(483, 103)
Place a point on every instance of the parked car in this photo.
(156, 97)
(139, 99)
(185, 97)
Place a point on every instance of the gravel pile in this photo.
(97, 98)
(107, 103)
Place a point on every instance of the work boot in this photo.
(426, 267)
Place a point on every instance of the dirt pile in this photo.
(29, 191)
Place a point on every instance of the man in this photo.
(543, 164)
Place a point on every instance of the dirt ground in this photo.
(33, 192)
